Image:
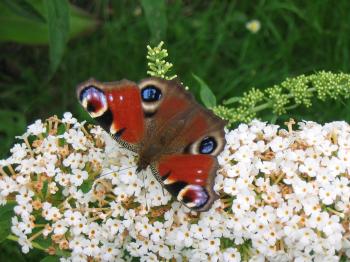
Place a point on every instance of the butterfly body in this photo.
(171, 133)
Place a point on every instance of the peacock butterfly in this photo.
(172, 134)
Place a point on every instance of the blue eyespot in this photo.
(151, 94)
(207, 145)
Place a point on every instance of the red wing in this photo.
(189, 178)
(180, 119)
(116, 107)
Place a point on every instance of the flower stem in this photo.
(29, 146)
(34, 244)
(36, 235)
(13, 173)
(335, 212)
(279, 178)
(262, 107)
(270, 104)
(2, 172)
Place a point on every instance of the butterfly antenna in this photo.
(111, 172)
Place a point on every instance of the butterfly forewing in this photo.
(116, 106)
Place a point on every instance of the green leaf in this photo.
(58, 22)
(62, 253)
(232, 100)
(6, 213)
(25, 9)
(5, 230)
(43, 242)
(155, 11)
(86, 186)
(206, 95)
(19, 29)
(50, 259)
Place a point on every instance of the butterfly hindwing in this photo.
(189, 178)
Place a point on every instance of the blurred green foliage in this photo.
(205, 38)
(207, 41)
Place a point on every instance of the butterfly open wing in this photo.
(169, 130)
(116, 106)
(189, 178)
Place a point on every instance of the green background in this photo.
(208, 38)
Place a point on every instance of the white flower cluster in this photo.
(289, 191)
(285, 196)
